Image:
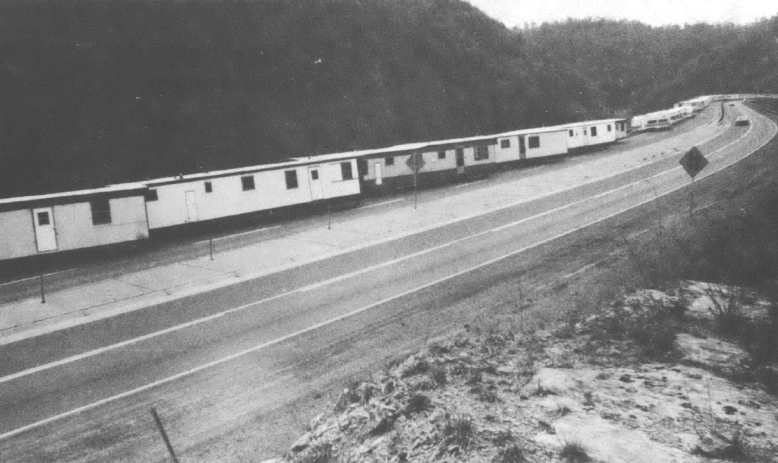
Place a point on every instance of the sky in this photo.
(518, 13)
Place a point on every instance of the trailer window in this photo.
(247, 182)
(505, 143)
(390, 160)
(43, 218)
(609, 127)
(594, 131)
(101, 211)
(345, 170)
(570, 132)
(208, 187)
(481, 153)
(534, 142)
(441, 155)
(151, 195)
(291, 179)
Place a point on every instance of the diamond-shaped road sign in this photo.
(693, 162)
(415, 162)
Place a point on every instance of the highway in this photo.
(225, 360)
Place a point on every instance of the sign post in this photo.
(415, 162)
(693, 162)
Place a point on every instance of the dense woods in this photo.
(98, 92)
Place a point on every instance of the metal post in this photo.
(691, 200)
(164, 435)
(43, 293)
(210, 246)
(415, 169)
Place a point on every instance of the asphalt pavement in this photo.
(30, 317)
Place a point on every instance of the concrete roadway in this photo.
(218, 372)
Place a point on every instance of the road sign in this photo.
(415, 162)
(693, 162)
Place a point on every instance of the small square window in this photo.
(441, 155)
(594, 131)
(291, 179)
(584, 131)
(151, 195)
(101, 211)
(505, 143)
(345, 170)
(609, 128)
(314, 175)
(247, 182)
(43, 218)
(208, 187)
(390, 160)
(534, 142)
(570, 132)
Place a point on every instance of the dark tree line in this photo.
(98, 92)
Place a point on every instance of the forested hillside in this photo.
(97, 92)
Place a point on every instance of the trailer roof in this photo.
(52, 199)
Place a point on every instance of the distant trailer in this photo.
(526, 144)
(33, 225)
(189, 199)
(438, 161)
(592, 134)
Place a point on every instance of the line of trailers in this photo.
(664, 119)
(35, 225)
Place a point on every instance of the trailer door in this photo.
(522, 148)
(191, 206)
(45, 233)
(314, 181)
(460, 158)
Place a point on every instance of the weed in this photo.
(563, 410)
(589, 398)
(420, 366)
(417, 404)
(438, 375)
(510, 454)
(458, 435)
(573, 452)
(321, 453)
(503, 438)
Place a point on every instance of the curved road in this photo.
(227, 358)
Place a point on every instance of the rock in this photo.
(301, 443)
(557, 381)
(606, 442)
(711, 353)
(713, 446)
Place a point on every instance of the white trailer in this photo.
(33, 225)
(194, 198)
(591, 134)
(530, 144)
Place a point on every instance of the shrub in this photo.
(510, 454)
(321, 453)
(574, 452)
(458, 435)
(438, 375)
(417, 404)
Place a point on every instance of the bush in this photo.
(510, 454)
(417, 404)
(574, 452)
(458, 435)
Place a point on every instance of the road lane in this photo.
(190, 348)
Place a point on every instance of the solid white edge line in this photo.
(354, 312)
(239, 234)
(36, 277)
(329, 281)
(381, 203)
